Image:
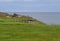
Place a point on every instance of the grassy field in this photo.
(29, 32)
(16, 29)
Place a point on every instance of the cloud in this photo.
(29, 0)
(6, 0)
(10, 0)
(18, 0)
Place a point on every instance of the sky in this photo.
(30, 5)
(34, 6)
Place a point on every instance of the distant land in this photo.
(14, 17)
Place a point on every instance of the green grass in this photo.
(10, 30)
(29, 32)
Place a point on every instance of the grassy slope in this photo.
(10, 30)
(29, 32)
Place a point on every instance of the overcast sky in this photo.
(30, 5)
